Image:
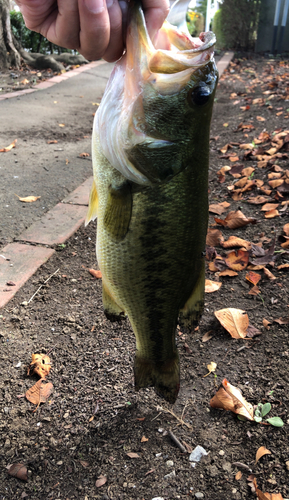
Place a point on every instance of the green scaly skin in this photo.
(158, 264)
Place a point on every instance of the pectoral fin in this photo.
(93, 205)
(118, 211)
(112, 311)
(193, 308)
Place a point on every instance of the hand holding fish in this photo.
(96, 28)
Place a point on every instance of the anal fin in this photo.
(93, 205)
(111, 309)
(193, 308)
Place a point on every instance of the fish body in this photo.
(150, 192)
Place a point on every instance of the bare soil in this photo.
(93, 420)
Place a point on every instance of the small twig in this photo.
(42, 286)
(184, 409)
(177, 442)
(182, 422)
(156, 416)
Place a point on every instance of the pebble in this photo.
(197, 454)
(169, 463)
(199, 494)
(227, 467)
(287, 465)
(160, 430)
(158, 498)
(59, 463)
(170, 475)
(234, 491)
(222, 453)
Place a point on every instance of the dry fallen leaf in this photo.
(228, 272)
(28, 199)
(212, 286)
(95, 273)
(219, 208)
(286, 229)
(261, 452)
(266, 323)
(100, 481)
(235, 241)
(238, 475)
(235, 321)
(230, 398)
(207, 336)
(84, 155)
(40, 364)
(214, 237)
(61, 125)
(133, 455)
(237, 259)
(235, 220)
(272, 214)
(144, 439)
(18, 470)
(39, 392)
(211, 367)
(8, 148)
(253, 278)
(260, 119)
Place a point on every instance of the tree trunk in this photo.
(9, 56)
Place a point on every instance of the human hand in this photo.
(93, 27)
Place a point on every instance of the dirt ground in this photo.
(94, 420)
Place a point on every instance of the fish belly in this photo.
(156, 271)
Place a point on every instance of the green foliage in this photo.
(217, 29)
(238, 23)
(29, 40)
(263, 410)
(195, 23)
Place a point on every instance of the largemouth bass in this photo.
(150, 191)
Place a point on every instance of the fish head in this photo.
(157, 108)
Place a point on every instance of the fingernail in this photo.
(94, 6)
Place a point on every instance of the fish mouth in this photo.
(165, 66)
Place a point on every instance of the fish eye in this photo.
(199, 95)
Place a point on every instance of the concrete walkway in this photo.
(35, 118)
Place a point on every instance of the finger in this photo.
(67, 25)
(94, 28)
(155, 13)
(115, 47)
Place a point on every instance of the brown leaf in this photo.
(264, 257)
(95, 273)
(238, 475)
(133, 455)
(269, 206)
(252, 331)
(266, 323)
(84, 155)
(235, 241)
(235, 321)
(283, 266)
(212, 286)
(260, 119)
(84, 463)
(219, 208)
(230, 397)
(100, 481)
(269, 274)
(258, 200)
(39, 392)
(228, 272)
(144, 439)
(40, 364)
(247, 171)
(282, 321)
(214, 237)
(261, 452)
(28, 199)
(8, 148)
(18, 470)
(286, 229)
(235, 220)
(207, 336)
(237, 259)
(253, 278)
(254, 291)
(271, 214)
(276, 183)
(52, 142)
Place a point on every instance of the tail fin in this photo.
(164, 377)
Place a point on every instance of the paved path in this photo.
(27, 237)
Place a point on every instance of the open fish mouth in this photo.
(163, 68)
